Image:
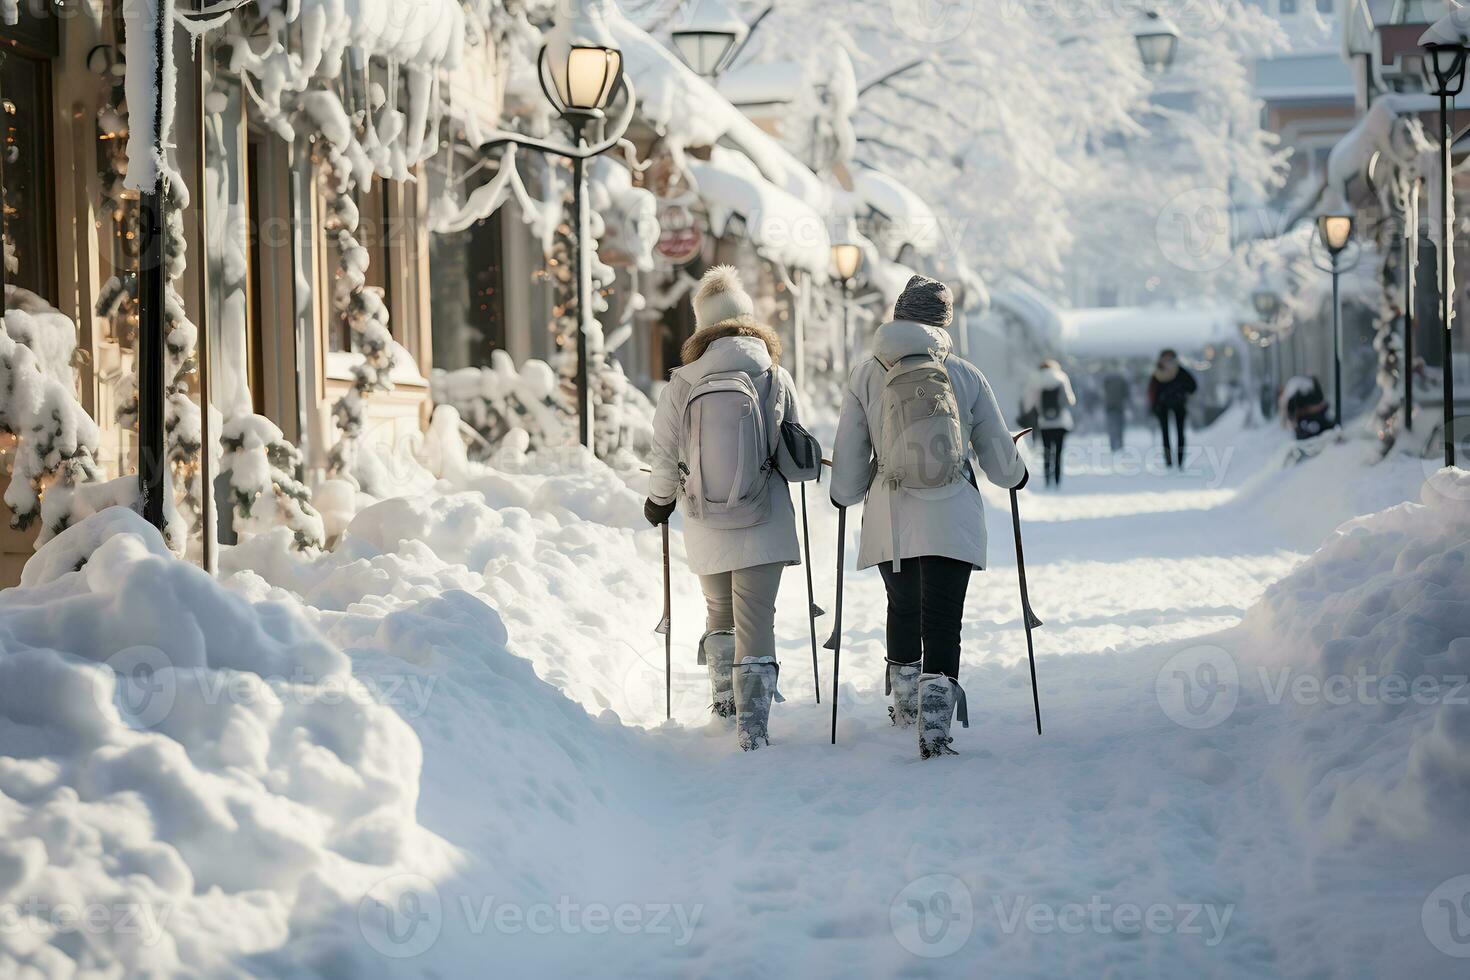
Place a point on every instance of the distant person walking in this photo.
(1049, 395)
(1117, 393)
(1169, 389)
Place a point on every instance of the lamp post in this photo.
(1445, 74)
(847, 257)
(1335, 230)
(1158, 41)
(581, 69)
(707, 39)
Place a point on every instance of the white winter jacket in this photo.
(712, 550)
(1044, 379)
(950, 521)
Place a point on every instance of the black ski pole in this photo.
(834, 642)
(1027, 616)
(665, 627)
(813, 610)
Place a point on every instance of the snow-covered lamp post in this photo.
(1158, 40)
(1444, 72)
(847, 257)
(710, 37)
(581, 69)
(1335, 230)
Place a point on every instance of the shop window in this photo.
(29, 222)
(467, 294)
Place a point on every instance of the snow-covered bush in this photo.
(264, 490)
(502, 398)
(55, 440)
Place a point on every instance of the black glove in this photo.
(1025, 479)
(657, 513)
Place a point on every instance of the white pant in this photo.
(744, 600)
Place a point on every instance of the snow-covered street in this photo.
(1127, 840)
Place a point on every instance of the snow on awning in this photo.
(1031, 307)
(783, 227)
(689, 112)
(1384, 129)
(910, 221)
(1141, 331)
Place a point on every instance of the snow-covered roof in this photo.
(1452, 28)
(688, 111)
(1143, 331)
(761, 84)
(910, 219)
(783, 227)
(1378, 132)
(1031, 306)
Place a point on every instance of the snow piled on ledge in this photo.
(200, 773)
(1370, 640)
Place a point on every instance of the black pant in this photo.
(926, 603)
(1051, 449)
(1178, 412)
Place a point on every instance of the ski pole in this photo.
(1028, 617)
(834, 642)
(665, 627)
(813, 610)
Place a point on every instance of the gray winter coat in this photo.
(949, 521)
(712, 550)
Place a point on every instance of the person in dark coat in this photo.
(1116, 395)
(1169, 389)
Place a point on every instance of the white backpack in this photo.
(920, 444)
(727, 449)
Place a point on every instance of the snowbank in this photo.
(1370, 638)
(188, 776)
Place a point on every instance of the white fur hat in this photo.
(721, 297)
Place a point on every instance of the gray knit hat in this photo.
(927, 301)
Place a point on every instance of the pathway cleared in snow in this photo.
(1119, 843)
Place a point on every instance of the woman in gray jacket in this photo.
(739, 567)
(939, 533)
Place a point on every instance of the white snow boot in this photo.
(755, 689)
(903, 686)
(717, 652)
(939, 695)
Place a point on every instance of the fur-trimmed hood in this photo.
(696, 345)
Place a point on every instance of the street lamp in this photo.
(581, 69)
(847, 258)
(1444, 73)
(1158, 39)
(709, 37)
(1335, 230)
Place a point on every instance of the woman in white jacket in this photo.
(739, 568)
(1049, 395)
(940, 533)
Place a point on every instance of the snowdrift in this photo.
(187, 775)
(1369, 641)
